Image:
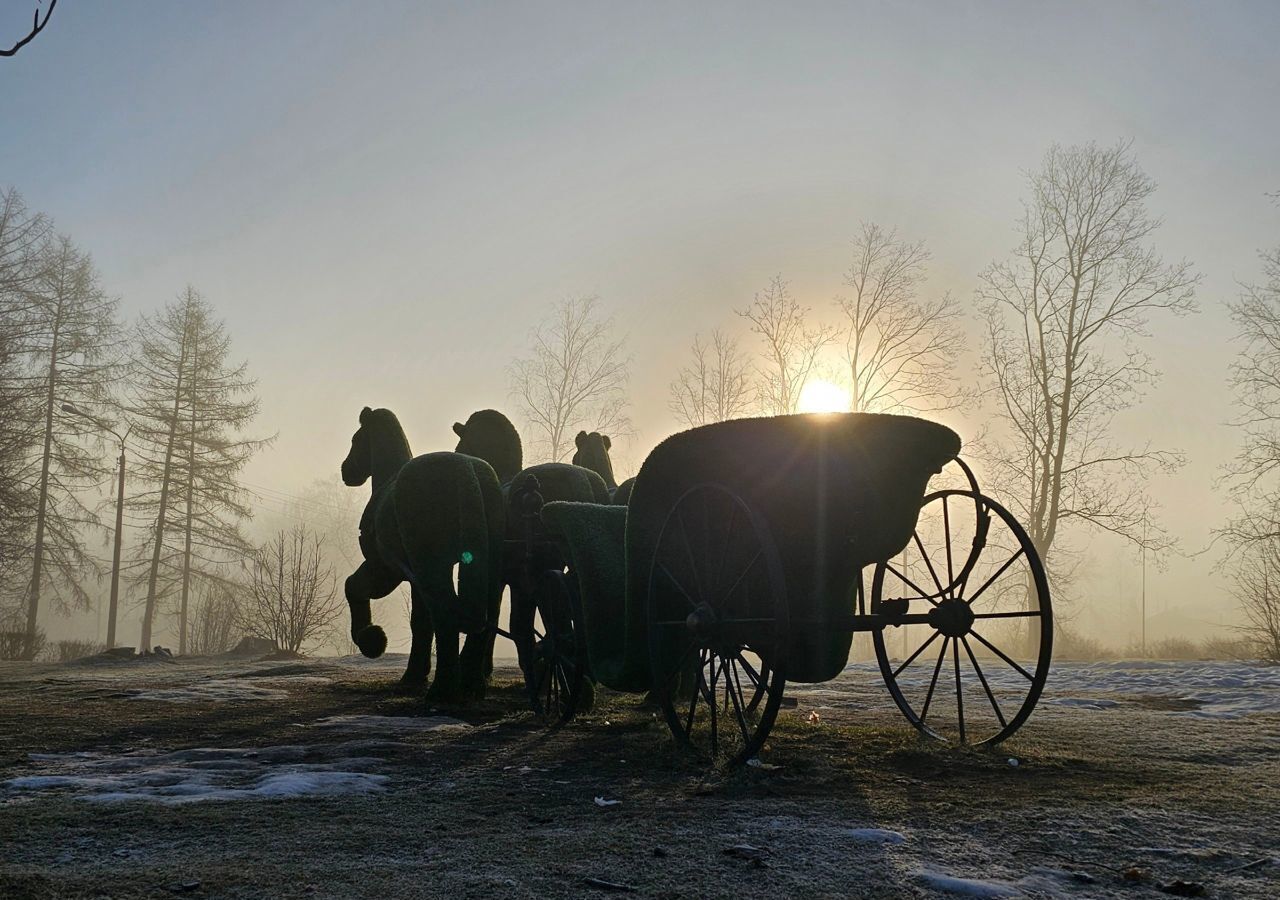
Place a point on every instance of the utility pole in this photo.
(1144, 582)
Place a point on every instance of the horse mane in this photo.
(386, 436)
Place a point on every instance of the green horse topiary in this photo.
(593, 453)
(489, 435)
(427, 515)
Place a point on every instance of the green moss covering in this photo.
(425, 516)
(836, 491)
(591, 451)
(489, 435)
(594, 538)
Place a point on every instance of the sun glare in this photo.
(821, 396)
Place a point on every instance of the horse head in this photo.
(378, 448)
(489, 435)
(593, 453)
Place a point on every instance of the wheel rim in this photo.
(973, 673)
(718, 625)
(556, 664)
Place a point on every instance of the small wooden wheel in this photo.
(718, 625)
(556, 658)
(973, 672)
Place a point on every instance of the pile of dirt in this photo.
(252, 648)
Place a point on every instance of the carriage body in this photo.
(836, 492)
(740, 561)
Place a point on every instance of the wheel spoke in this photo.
(911, 584)
(751, 670)
(679, 666)
(933, 682)
(983, 678)
(678, 586)
(946, 530)
(737, 581)
(727, 543)
(910, 659)
(955, 654)
(1026, 613)
(986, 584)
(711, 704)
(1000, 653)
(688, 552)
(928, 564)
(734, 690)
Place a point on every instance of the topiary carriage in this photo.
(739, 564)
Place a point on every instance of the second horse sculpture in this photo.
(426, 516)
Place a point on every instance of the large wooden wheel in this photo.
(718, 624)
(555, 654)
(974, 671)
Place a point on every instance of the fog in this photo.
(383, 200)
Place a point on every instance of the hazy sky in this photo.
(381, 199)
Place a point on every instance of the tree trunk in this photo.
(152, 577)
(186, 552)
(33, 606)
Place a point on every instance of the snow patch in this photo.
(214, 691)
(1082, 702)
(201, 774)
(968, 887)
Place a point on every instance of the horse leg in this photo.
(420, 626)
(476, 663)
(368, 582)
(438, 599)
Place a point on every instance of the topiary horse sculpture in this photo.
(593, 453)
(425, 516)
(489, 435)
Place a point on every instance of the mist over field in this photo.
(381, 206)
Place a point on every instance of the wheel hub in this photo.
(952, 617)
(702, 622)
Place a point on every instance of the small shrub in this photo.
(1070, 644)
(69, 650)
(13, 645)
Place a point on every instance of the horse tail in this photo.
(481, 522)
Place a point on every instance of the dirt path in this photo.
(110, 786)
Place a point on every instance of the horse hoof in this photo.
(371, 640)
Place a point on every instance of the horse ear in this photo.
(459, 429)
(364, 415)
(580, 439)
(605, 438)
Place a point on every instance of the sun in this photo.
(821, 396)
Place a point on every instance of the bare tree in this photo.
(574, 378)
(791, 346)
(212, 625)
(715, 386)
(189, 410)
(22, 235)
(1257, 588)
(293, 596)
(900, 350)
(37, 26)
(1255, 381)
(70, 342)
(1063, 317)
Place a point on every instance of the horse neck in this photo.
(604, 468)
(389, 451)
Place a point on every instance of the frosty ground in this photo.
(314, 779)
